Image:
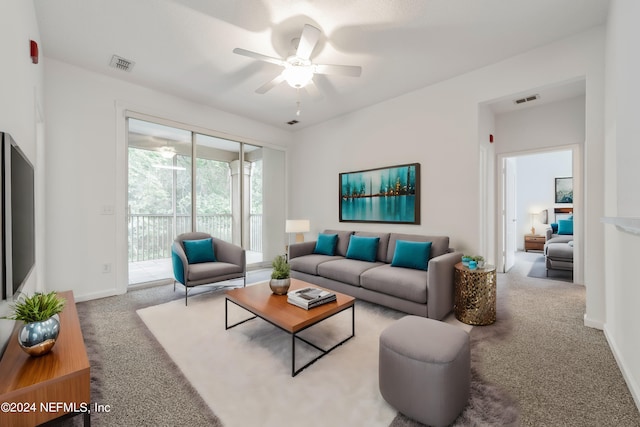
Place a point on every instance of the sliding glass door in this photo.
(220, 193)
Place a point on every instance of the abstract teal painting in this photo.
(388, 195)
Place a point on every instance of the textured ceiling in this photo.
(184, 47)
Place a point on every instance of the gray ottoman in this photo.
(425, 369)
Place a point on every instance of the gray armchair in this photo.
(200, 259)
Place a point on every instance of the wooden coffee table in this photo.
(259, 300)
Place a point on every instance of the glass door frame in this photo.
(123, 233)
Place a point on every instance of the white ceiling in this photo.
(184, 47)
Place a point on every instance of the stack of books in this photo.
(308, 298)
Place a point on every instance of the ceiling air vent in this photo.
(526, 99)
(120, 63)
(292, 122)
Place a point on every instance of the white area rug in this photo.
(244, 373)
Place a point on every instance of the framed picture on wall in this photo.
(564, 190)
(386, 195)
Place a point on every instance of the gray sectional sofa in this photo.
(424, 293)
(558, 251)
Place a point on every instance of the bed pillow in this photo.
(326, 244)
(565, 226)
(411, 255)
(363, 248)
(198, 251)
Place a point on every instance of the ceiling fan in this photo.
(298, 68)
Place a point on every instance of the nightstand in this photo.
(534, 242)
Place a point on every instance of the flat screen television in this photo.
(17, 257)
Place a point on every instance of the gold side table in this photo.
(475, 295)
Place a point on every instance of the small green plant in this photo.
(281, 268)
(37, 308)
(478, 258)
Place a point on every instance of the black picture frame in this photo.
(564, 190)
(388, 194)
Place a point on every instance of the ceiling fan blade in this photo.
(341, 70)
(259, 56)
(270, 85)
(308, 40)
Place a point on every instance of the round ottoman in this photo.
(425, 369)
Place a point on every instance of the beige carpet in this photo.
(244, 373)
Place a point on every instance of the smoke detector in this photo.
(120, 63)
(526, 99)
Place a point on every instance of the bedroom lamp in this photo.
(532, 215)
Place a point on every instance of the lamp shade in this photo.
(297, 226)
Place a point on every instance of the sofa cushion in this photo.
(565, 226)
(309, 263)
(559, 239)
(411, 254)
(205, 270)
(363, 248)
(346, 270)
(326, 244)
(383, 243)
(560, 251)
(405, 283)
(439, 244)
(200, 250)
(343, 240)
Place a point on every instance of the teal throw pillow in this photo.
(554, 227)
(411, 255)
(326, 244)
(565, 226)
(363, 248)
(199, 250)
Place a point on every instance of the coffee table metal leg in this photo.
(323, 352)
(226, 314)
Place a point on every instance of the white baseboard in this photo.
(591, 323)
(96, 295)
(633, 386)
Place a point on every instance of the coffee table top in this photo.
(259, 300)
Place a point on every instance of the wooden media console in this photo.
(35, 390)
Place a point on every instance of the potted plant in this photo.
(280, 276)
(466, 259)
(41, 325)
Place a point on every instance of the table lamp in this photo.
(297, 226)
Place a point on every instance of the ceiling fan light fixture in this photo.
(297, 75)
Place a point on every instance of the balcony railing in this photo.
(151, 235)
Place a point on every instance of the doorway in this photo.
(528, 204)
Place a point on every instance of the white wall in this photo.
(438, 126)
(487, 221)
(622, 126)
(21, 85)
(86, 171)
(546, 126)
